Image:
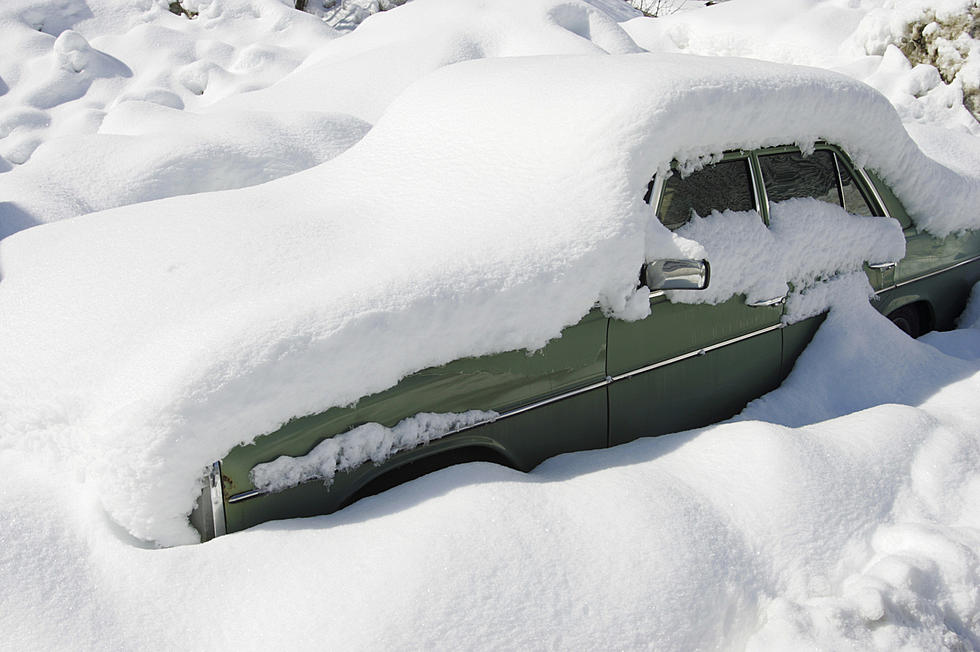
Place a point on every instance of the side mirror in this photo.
(674, 274)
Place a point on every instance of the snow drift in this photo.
(143, 342)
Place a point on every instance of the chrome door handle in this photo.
(883, 266)
(775, 301)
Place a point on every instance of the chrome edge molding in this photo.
(874, 190)
(217, 499)
(692, 354)
(756, 197)
(935, 273)
(655, 196)
(608, 380)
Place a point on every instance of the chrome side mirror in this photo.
(674, 274)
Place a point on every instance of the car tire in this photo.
(908, 320)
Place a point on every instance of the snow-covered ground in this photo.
(139, 343)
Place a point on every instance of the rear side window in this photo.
(725, 185)
(791, 174)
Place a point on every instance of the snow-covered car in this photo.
(487, 274)
(770, 232)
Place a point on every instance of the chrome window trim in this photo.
(874, 191)
(840, 180)
(608, 380)
(657, 194)
(754, 180)
(658, 183)
(216, 494)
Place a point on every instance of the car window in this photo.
(791, 174)
(725, 185)
(854, 200)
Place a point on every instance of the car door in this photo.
(826, 175)
(688, 365)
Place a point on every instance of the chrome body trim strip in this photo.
(548, 401)
(935, 273)
(692, 354)
(217, 499)
(608, 380)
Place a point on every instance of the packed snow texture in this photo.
(345, 15)
(208, 319)
(855, 528)
(856, 37)
(491, 204)
(395, 48)
(808, 242)
(369, 442)
(106, 103)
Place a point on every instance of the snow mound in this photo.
(145, 151)
(143, 342)
(856, 532)
(74, 67)
(395, 48)
(856, 37)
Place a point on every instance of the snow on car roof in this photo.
(492, 205)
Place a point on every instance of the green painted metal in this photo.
(699, 389)
(500, 382)
(745, 354)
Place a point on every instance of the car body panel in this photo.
(503, 383)
(603, 382)
(707, 384)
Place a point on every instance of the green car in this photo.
(605, 381)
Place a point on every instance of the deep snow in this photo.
(262, 301)
(858, 531)
(140, 343)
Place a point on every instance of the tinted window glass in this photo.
(794, 175)
(854, 200)
(725, 185)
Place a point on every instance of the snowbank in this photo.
(77, 73)
(855, 37)
(137, 345)
(205, 320)
(395, 48)
(146, 151)
(855, 532)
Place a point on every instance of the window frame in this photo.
(866, 187)
(655, 190)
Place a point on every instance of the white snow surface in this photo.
(807, 243)
(492, 203)
(854, 528)
(856, 37)
(208, 319)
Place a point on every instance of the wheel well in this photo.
(925, 313)
(417, 468)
